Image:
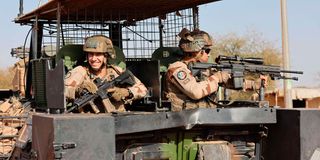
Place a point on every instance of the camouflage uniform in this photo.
(18, 81)
(185, 91)
(79, 74)
(78, 78)
(182, 88)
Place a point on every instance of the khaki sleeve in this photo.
(184, 80)
(138, 90)
(72, 81)
(251, 85)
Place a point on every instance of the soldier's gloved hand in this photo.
(69, 92)
(258, 83)
(265, 80)
(89, 86)
(119, 93)
(222, 76)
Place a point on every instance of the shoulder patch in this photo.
(181, 75)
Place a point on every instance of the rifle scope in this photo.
(237, 58)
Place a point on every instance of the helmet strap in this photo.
(198, 55)
(192, 57)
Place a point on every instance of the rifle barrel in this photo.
(294, 72)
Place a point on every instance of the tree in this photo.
(251, 44)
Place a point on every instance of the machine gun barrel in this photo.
(294, 72)
(255, 64)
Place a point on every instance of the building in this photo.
(301, 97)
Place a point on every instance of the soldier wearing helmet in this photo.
(98, 50)
(183, 89)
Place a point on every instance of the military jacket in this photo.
(75, 77)
(185, 92)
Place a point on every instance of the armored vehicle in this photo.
(145, 37)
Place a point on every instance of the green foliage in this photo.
(250, 45)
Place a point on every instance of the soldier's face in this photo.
(96, 60)
(204, 57)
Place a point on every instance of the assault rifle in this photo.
(86, 97)
(238, 67)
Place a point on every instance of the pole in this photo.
(20, 8)
(58, 26)
(195, 14)
(285, 55)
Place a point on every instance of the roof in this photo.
(108, 9)
(300, 93)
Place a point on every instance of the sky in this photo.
(219, 18)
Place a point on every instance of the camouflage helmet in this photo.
(99, 44)
(194, 41)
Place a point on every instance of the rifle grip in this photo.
(108, 106)
(94, 107)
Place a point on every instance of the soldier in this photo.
(98, 50)
(18, 81)
(186, 91)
